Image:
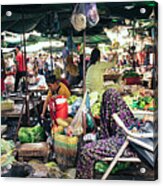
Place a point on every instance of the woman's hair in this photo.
(52, 79)
(95, 56)
(69, 59)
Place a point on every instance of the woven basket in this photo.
(66, 150)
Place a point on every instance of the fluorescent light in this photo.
(129, 7)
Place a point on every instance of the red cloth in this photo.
(20, 60)
(2, 85)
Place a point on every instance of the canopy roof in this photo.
(39, 17)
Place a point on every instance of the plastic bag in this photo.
(77, 123)
(9, 83)
(78, 18)
(92, 14)
(84, 14)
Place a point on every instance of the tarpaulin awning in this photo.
(37, 16)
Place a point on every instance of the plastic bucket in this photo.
(61, 107)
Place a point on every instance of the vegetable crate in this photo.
(28, 151)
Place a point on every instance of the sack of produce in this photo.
(65, 149)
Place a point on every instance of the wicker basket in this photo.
(66, 150)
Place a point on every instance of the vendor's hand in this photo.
(42, 116)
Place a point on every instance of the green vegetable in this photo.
(51, 164)
(147, 99)
(103, 166)
(7, 159)
(72, 99)
(95, 109)
(142, 104)
(31, 134)
(129, 74)
(6, 146)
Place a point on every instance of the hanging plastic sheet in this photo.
(149, 156)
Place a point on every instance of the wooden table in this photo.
(15, 113)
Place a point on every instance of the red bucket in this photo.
(58, 107)
(61, 107)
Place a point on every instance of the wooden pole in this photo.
(25, 54)
(115, 160)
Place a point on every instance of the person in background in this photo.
(140, 57)
(40, 79)
(49, 66)
(40, 64)
(94, 75)
(65, 53)
(80, 67)
(55, 88)
(21, 67)
(72, 71)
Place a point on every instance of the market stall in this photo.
(51, 146)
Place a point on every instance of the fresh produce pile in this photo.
(130, 74)
(142, 103)
(103, 166)
(95, 103)
(6, 146)
(31, 134)
(74, 103)
(72, 99)
(7, 105)
(7, 157)
(95, 109)
(61, 126)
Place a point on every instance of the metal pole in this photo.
(51, 60)
(84, 62)
(19, 121)
(27, 92)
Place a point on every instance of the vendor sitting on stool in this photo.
(55, 88)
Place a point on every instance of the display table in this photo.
(15, 113)
(112, 77)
